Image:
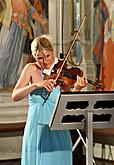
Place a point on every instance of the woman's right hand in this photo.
(48, 84)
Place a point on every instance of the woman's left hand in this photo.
(80, 83)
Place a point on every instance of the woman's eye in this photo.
(47, 56)
(40, 58)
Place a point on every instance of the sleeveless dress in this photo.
(42, 146)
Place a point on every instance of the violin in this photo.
(68, 77)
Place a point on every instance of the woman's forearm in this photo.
(21, 93)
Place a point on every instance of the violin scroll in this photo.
(97, 85)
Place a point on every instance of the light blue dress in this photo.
(42, 146)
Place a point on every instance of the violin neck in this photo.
(90, 82)
(95, 84)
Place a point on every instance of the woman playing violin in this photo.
(40, 144)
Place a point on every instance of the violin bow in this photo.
(68, 52)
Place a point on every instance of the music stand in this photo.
(84, 110)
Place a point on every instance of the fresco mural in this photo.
(99, 32)
(20, 22)
(103, 42)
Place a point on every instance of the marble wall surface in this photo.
(11, 112)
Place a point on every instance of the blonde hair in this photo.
(39, 43)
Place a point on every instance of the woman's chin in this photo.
(47, 67)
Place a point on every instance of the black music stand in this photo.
(84, 110)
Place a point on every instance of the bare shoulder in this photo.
(28, 72)
(31, 67)
(32, 70)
